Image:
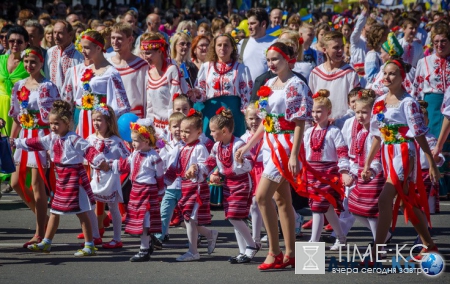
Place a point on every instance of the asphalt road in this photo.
(18, 265)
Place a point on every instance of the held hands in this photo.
(191, 172)
(214, 178)
(347, 179)
(239, 156)
(366, 174)
(435, 152)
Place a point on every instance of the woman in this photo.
(285, 103)
(180, 46)
(163, 80)
(97, 83)
(396, 121)
(391, 49)
(11, 71)
(223, 81)
(48, 40)
(372, 63)
(172, 21)
(199, 49)
(31, 100)
(431, 81)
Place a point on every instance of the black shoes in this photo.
(141, 256)
(156, 243)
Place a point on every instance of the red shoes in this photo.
(307, 225)
(278, 261)
(290, 261)
(39, 239)
(101, 231)
(112, 245)
(328, 228)
(421, 254)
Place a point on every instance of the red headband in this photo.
(219, 111)
(400, 67)
(94, 41)
(290, 60)
(175, 96)
(153, 44)
(37, 54)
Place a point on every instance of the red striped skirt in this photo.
(70, 178)
(432, 189)
(192, 193)
(237, 196)
(143, 199)
(256, 174)
(363, 199)
(316, 187)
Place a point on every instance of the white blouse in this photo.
(432, 76)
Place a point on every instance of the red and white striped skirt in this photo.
(192, 193)
(363, 199)
(143, 199)
(237, 196)
(67, 193)
(318, 188)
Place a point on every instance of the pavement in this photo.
(18, 265)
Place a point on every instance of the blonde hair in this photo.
(293, 41)
(321, 98)
(122, 28)
(366, 96)
(183, 26)
(176, 117)
(151, 131)
(44, 43)
(173, 42)
(111, 122)
(224, 119)
(328, 36)
(251, 107)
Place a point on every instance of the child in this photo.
(413, 49)
(432, 189)
(310, 55)
(363, 199)
(253, 121)
(73, 193)
(173, 191)
(147, 178)
(194, 202)
(327, 155)
(32, 98)
(237, 184)
(358, 47)
(334, 74)
(106, 186)
(351, 100)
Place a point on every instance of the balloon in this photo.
(243, 25)
(124, 125)
(303, 12)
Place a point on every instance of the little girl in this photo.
(253, 121)
(31, 101)
(363, 199)
(327, 156)
(147, 178)
(73, 193)
(106, 186)
(194, 202)
(237, 184)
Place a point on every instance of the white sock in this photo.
(192, 234)
(242, 235)
(257, 221)
(202, 230)
(94, 224)
(333, 219)
(373, 222)
(116, 220)
(432, 204)
(145, 239)
(317, 226)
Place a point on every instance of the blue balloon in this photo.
(124, 125)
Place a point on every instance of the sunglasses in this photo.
(18, 41)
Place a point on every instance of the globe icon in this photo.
(433, 264)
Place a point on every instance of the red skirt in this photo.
(192, 193)
(256, 174)
(70, 178)
(316, 187)
(363, 199)
(143, 199)
(432, 189)
(237, 196)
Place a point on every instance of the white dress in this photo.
(106, 185)
(293, 102)
(107, 88)
(39, 105)
(133, 77)
(339, 83)
(58, 62)
(234, 80)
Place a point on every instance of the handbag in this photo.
(6, 157)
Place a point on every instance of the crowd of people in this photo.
(346, 113)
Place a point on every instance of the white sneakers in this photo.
(341, 240)
(188, 257)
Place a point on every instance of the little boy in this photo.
(413, 49)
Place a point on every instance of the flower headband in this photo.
(154, 44)
(289, 60)
(29, 51)
(392, 46)
(102, 108)
(91, 39)
(141, 127)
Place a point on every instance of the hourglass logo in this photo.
(309, 258)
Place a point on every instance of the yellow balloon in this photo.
(427, 5)
(243, 25)
(303, 12)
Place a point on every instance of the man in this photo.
(130, 17)
(60, 10)
(61, 57)
(253, 50)
(276, 17)
(153, 22)
(72, 18)
(36, 33)
(132, 69)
